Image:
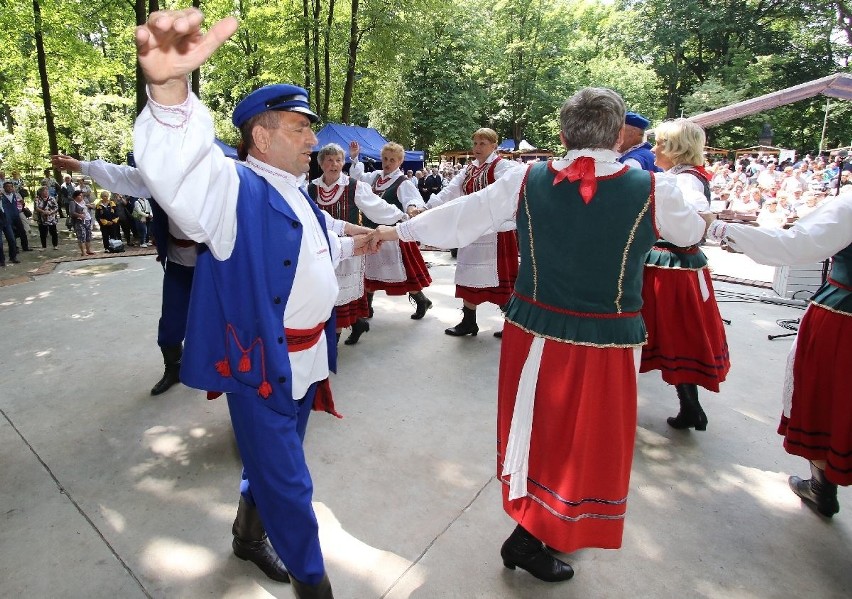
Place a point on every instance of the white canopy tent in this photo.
(833, 86)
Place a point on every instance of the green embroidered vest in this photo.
(389, 195)
(580, 278)
(836, 293)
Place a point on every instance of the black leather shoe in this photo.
(423, 303)
(15, 261)
(522, 550)
(462, 329)
(498, 334)
(360, 327)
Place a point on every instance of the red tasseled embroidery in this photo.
(223, 367)
(213, 394)
(245, 363)
(265, 390)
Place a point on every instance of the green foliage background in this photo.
(428, 72)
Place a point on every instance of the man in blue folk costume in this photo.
(262, 306)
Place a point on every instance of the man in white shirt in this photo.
(263, 294)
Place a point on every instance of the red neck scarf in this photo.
(583, 170)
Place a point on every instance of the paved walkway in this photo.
(108, 492)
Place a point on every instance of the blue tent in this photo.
(370, 140)
(507, 145)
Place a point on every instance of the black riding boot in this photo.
(817, 492)
(171, 357)
(423, 304)
(524, 551)
(691, 415)
(467, 326)
(360, 327)
(250, 543)
(370, 304)
(321, 590)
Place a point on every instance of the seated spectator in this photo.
(771, 216)
(747, 203)
(811, 204)
(721, 202)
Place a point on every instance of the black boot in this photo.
(524, 551)
(360, 327)
(691, 415)
(817, 492)
(423, 304)
(321, 590)
(370, 304)
(171, 356)
(467, 326)
(250, 543)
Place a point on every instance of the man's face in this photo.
(7, 187)
(483, 148)
(332, 166)
(291, 143)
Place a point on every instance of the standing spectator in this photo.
(432, 185)
(81, 215)
(142, 214)
(125, 219)
(12, 203)
(107, 214)
(8, 214)
(635, 150)
(46, 208)
(66, 190)
(52, 188)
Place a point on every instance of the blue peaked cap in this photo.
(273, 97)
(634, 119)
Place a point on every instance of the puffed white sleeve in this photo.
(187, 173)
(819, 235)
(118, 178)
(692, 189)
(374, 207)
(356, 171)
(676, 221)
(460, 222)
(409, 196)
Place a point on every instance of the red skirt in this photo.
(581, 449)
(820, 422)
(507, 272)
(416, 274)
(686, 336)
(347, 314)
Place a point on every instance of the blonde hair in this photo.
(683, 141)
(486, 134)
(394, 149)
(105, 194)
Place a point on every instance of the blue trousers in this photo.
(9, 233)
(177, 284)
(276, 479)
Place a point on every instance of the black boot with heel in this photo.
(691, 414)
(360, 327)
(467, 326)
(522, 550)
(422, 302)
(817, 492)
(172, 355)
(250, 543)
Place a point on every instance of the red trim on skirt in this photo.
(347, 314)
(820, 423)
(416, 273)
(686, 336)
(507, 272)
(581, 449)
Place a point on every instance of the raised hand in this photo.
(65, 163)
(171, 45)
(354, 150)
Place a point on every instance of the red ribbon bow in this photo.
(583, 170)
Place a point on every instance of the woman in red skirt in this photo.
(816, 421)
(397, 268)
(686, 337)
(486, 269)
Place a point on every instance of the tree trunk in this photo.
(327, 61)
(45, 83)
(141, 18)
(349, 86)
(306, 28)
(315, 94)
